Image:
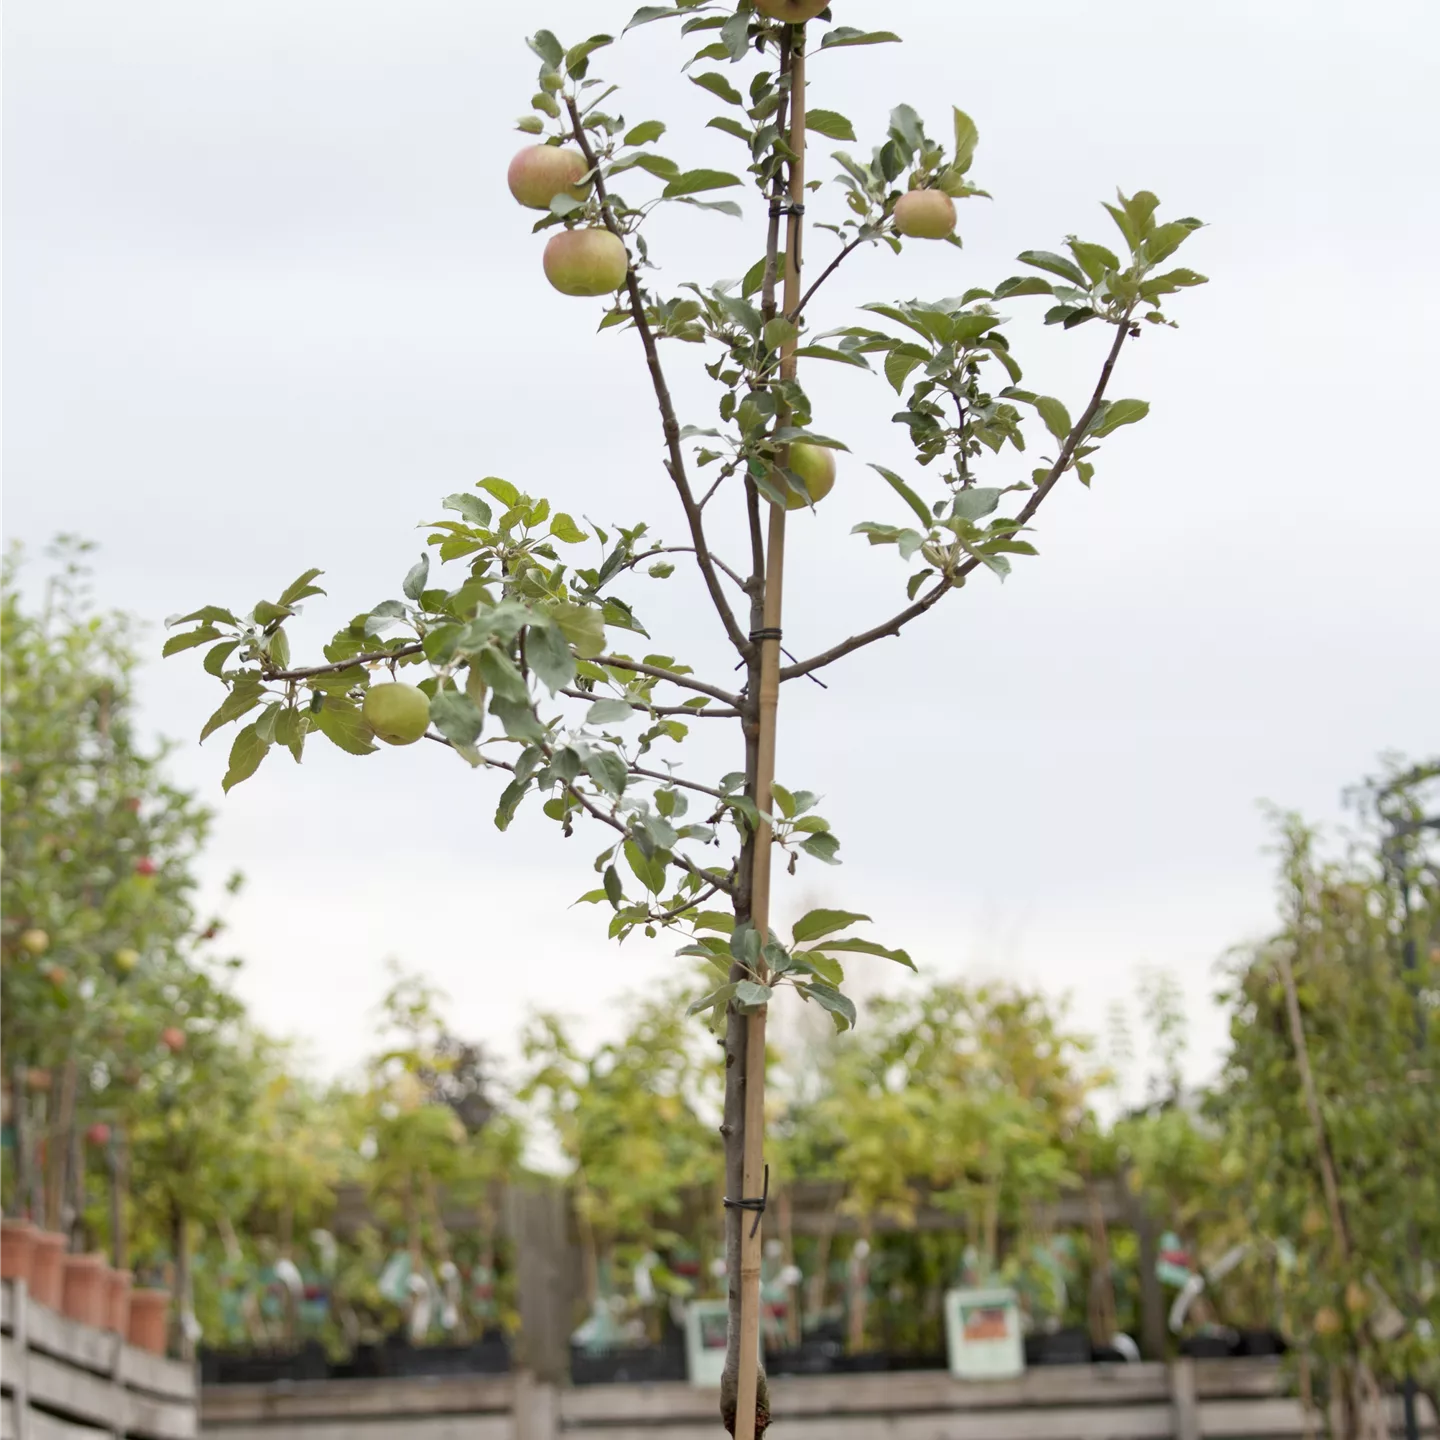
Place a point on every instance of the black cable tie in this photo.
(787, 207)
(752, 1204)
(772, 633)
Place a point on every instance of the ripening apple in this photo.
(126, 960)
(591, 261)
(172, 1038)
(132, 804)
(145, 866)
(815, 465)
(98, 1133)
(37, 942)
(541, 172)
(58, 976)
(925, 215)
(398, 714)
(1327, 1321)
(793, 12)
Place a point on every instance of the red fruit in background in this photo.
(98, 1134)
(132, 804)
(172, 1038)
(145, 866)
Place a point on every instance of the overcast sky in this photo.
(268, 300)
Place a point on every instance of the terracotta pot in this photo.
(47, 1283)
(17, 1241)
(84, 1295)
(148, 1309)
(117, 1300)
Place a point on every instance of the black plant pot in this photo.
(1058, 1347)
(363, 1364)
(488, 1356)
(628, 1365)
(814, 1355)
(1257, 1343)
(263, 1367)
(1210, 1346)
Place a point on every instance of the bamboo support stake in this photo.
(751, 1240)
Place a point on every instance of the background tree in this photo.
(1332, 1113)
(519, 643)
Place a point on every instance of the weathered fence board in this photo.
(66, 1381)
(1190, 1400)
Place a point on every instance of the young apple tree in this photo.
(523, 660)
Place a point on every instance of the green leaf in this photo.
(416, 577)
(751, 995)
(693, 181)
(776, 333)
(649, 870)
(730, 126)
(517, 718)
(341, 722)
(717, 84)
(607, 770)
(301, 589)
(824, 352)
(614, 887)
(268, 614)
(509, 802)
(547, 651)
(975, 503)
(577, 55)
(176, 643)
(906, 494)
(216, 657)
(1165, 240)
(645, 132)
(829, 123)
(1095, 260)
(869, 947)
(562, 527)
(822, 846)
(1118, 413)
(1055, 416)
(547, 47)
(582, 625)
(754, 278)
(1023, 285)
(840, 1006)
(206, 615)
(244, 696)
(472, 507)
(456, 716)
(966, 139)
(849, 35)
(900, 362)
(823, 922)
(245, 756)
(609, 712)
(1055, 264)
(502, 490)
(715, 998)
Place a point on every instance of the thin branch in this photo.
(669, 423)
(685, 682)
(685, 550)
(340, 665)
(707, 713)
(826, 273)
(676, 780)
(664, 917)
(895, 623)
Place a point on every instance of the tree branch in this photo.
(685, 550)
(340, 665)
(669, 423)
(664, 917)
(685, 682)
(676, 780)
(826, 273)
(896, 623)
(707, 713)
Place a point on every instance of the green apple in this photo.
(541, 172)
(126, 960)
(795, 12)
(815, 465)
(925, 215)
(37, 942)
(398, 714)
(591, 261)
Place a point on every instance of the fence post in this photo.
(536, 1409)
(537, 1220)
(20, 1340)
(1184, 1401)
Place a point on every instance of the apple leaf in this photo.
(695, 180)
(823, 922)
(645, 132)
(829, 123)
(562, 527)
(245, 756)
(1118, 413)
(840, 1006)
(342, 724)
(849, 35)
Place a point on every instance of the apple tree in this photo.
(527, 649)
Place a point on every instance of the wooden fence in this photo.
(63, 1381)
(1188, 1400)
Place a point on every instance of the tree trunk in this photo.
(19, 1102)
(59, 1146)
(119, 1240)
(787, 1259)
(744, 1395)
(1103, 1323)
(180, 1241)
(859, 1291)
(287, 1247)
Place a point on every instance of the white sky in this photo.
(268, 301)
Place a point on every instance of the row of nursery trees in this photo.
(147, 1115)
